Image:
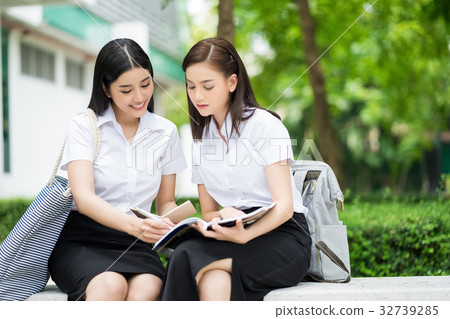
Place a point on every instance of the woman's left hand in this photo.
(236, 234)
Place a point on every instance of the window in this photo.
(37, 62)
(5, 101)
(74, 74)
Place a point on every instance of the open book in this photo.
(185, 230)
(176, 214)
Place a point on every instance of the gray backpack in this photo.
(330, 259)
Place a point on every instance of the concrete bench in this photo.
(433, 288)
(51, 293)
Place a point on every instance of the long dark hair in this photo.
(222, 55)
(115, 58)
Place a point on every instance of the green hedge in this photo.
(10, 212)
(387, 237)
(398, 237)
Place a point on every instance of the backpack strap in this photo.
(302, 167)
(336, 193)
(321, 246)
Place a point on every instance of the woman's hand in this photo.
(236, 234)
(150, 231)
(230, 212)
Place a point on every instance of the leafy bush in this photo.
(387, 236)
(398, 237)
(10, 212)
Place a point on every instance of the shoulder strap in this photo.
(321, 246)
(94, 123)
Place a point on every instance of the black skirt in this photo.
(86, 248)
(274, 260)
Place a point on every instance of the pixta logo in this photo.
(243, 152)
(150, 151)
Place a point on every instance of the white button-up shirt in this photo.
(237, 177)
(126, 175)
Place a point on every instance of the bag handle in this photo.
(321, 246)
(94, 123)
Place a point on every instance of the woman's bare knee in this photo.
(107, 286)
(222, 264)
(144, 287)
(215, 285)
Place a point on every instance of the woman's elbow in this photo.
(81, 201)
(286, 208)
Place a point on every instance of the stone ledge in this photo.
(433, 288)
(51, 292)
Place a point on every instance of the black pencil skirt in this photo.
(86, 248)
(274, 260)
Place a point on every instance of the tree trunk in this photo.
(329, 143)
(226, 28)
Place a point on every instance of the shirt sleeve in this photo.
(270, 140)
(79, 142)
(196, 178)
(175, 161)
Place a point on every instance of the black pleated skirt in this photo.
(86, 248)
(274, 260)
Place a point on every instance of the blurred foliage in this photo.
(175, 105)
(388, 235)
(386, 78)
(10, 212)
(398, 237)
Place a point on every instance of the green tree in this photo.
(225, 27)
(329, 141)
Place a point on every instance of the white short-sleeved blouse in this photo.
(126, 175)
(237, 177)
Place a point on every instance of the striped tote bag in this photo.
(25, 251)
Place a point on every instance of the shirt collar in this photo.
(148, 120)
(151, 121)
(226, 127)
(107, 116)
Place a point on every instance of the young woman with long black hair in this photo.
(103, 252)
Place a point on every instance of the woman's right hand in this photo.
(150, 231)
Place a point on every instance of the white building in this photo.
(48, 50)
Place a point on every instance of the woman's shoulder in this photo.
(80, 120)
(264, 120)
